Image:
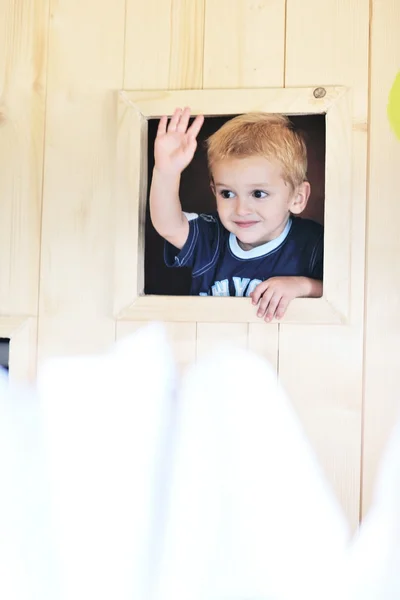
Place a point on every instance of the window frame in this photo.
(135, 108)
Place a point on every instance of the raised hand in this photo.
(175, 145)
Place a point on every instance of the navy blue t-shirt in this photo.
(221, 268)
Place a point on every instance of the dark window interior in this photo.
(4, 352)
(196, 196)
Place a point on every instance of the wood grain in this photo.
(321, 373)
(244, 43)
(293, 101)
(263, 339)
(164, 44)
(23, 66)
(85, 70)
(216, 309)
(23, 62)
(22, 333)
(382, 400)
(210, 336)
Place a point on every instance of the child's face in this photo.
(253, 200)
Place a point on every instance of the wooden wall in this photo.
(61, 64)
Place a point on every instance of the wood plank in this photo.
(338, 207)
(320, 371)
(215, 309)
(22, 333)
(244, 43)
(130, 205)
(23, 62)
(382, 400)
(9, 325)
(293, 101)
(327, 44)
(263, 339)
(182, 337)
(164, 44)
(211, 336)
(23, 352)
(86, 50)
(326, 388)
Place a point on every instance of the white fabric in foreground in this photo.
(116, 485)
(250, 513)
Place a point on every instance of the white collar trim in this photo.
(259, 250)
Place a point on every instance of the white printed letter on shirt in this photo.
(220, 288)
(240, 285)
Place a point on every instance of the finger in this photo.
(196, 126)
(162, 126)
(184, 121)
(281, 308)
(272, 306)
(190, 144)
(258, 292)
(174, 120)
(264, 302)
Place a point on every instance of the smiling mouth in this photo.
(245, 224)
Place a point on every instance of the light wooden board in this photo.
(210, 336)
(23, 352)
(182, 337)
(86, 50)
(319, 368)
(130, 205)
(382, 397)
(292, 101)
(214, 308)
(327, 44)
(326, 389)
(164, 44)
(23, 59)
(22, 333)
(263, 339)
(244, 43)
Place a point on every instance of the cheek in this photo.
(273, 210)
(268, 210)
(223, 208)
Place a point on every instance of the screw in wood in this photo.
(319, 92)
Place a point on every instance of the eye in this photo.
(259, 194)
(226, 194)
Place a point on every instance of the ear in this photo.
(212, 186)
(300, 198)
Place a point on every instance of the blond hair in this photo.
(271, 136)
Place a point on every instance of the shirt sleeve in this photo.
(317, 260)
(201, 248)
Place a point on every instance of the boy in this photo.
(254, 245)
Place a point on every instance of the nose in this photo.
(243, 207)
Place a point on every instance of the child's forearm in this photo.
(165, 207)
(312, 288)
